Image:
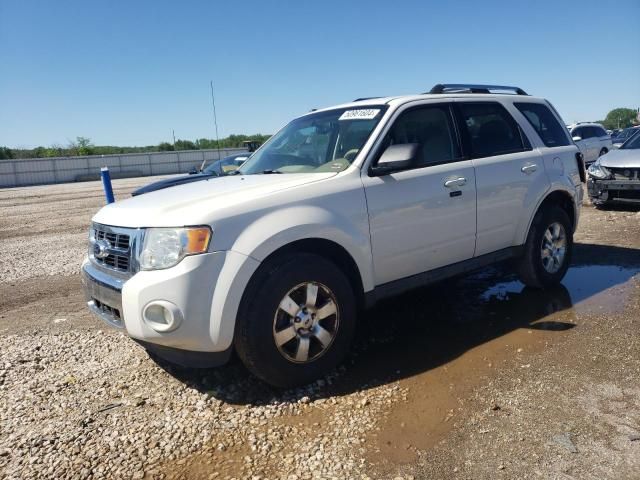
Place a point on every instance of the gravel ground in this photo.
(485, 380)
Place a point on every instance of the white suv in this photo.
(592, 140)
(342, 207)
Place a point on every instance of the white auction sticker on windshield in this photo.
(360, 114)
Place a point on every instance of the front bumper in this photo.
(614, 190)
(103, 294)
(205, 288)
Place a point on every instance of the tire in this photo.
(602, 152)
(264, 326)
(541, 265)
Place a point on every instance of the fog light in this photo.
(162, 316)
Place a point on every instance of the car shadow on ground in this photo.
(619, 207)
(428, 327)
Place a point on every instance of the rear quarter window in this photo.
(544, 122)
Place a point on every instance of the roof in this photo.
(584, 124)
(398, 100)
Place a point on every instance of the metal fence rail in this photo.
(38, 171)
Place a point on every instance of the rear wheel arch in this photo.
(561, 199)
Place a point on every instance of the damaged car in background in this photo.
(615, 177)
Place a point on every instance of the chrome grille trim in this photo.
(114, 249)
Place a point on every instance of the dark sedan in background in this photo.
(219, 168)
(624, 135)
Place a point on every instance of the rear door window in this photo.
(491, 130)
(551, 132)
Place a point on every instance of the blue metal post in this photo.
(106, 183)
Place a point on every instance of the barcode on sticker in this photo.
(360, 114)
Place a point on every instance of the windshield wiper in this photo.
(267, 172)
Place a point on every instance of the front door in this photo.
(423, 217)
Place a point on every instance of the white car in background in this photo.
(592, 140)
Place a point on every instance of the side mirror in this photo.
(193, 171)
(577, 139)
(397, 157)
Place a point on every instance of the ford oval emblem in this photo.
(102, 249)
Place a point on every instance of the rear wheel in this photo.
(547, 251)
(297, 320)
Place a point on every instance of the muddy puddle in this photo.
(443, 340)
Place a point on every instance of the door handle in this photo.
(529, 169)
(455, 182)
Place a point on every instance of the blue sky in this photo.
(128, 72)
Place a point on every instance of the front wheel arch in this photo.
(327, 249)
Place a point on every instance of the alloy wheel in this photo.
(554, 247)
(306, 322)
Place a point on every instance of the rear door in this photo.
(552, 140)
(582, 144)
(592, 143)
(604, 140)
(507, 169)
(423, 217)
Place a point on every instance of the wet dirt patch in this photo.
(445, 341)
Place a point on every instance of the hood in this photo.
(625, 158)
(199, 203)
(170, 182)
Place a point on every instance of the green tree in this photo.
(84, 146)
(165, 147)
(54, 151)
(185, 145)
(5, 153)
(620, 118)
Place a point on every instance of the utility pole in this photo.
(215, 121)
(173, 132)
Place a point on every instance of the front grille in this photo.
(625, 173)
(117, 262)
(625, 194)
(112, 247)
(118, 240)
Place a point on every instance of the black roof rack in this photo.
(365, 98)
(472, 88)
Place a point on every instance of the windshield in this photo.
(626, 133)
(320, 142)
(633, 142)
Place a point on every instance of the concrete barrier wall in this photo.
(38, 171)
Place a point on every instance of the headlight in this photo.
(598, 171)
(166, 247)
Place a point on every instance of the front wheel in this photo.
(547, 251)
(297, 320)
